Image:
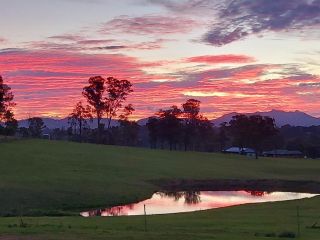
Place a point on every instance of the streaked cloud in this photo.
(187, 6)
(217, 59)
(233, 20)
(241, 18)
(79, 43)
(67, 37)
(220, 94)
(150, 25)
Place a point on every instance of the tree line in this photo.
(175, 128)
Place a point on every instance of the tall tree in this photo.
(36, 126)
(6, 104)
(106, 97)
(222, 136)
(79, 117)
(238, 128)
(153, 129)
(191, 110)
(170, 125)
(252, 131)
(11, 124)
(94, 93)
(127, 111)
(205, 134)
(117, 92)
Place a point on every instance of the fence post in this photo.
(298, 222)
(145, 218)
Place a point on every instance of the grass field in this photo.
(61, 178)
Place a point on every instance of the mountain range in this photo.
(294, 118)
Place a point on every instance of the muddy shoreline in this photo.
(266, 185)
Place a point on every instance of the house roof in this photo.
(282, 152)
(239, 150)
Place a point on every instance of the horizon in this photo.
(232, 61)
(212, 119)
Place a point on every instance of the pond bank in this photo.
(267, 185)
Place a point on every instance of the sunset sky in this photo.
(232, 55)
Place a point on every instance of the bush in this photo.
(287, 235)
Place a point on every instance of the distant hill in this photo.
(53, 123)
(143, 121)
(296, 118)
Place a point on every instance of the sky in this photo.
(232, 55)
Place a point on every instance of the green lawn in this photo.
(46, 178)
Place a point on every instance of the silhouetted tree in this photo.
(11, 124)
(153, 125)
(127, 111)
(6, 104)
(129, 130)
(94, 93)
(252, 131)
(59, 134)
(205, 134)
(79, 117)
(198, 131)
(191, 118)
(117, 92)
(238, 128)
(106, 97)
(36, 126)
(23, 132)
(222, 136)
(191, 109)
(170, 125)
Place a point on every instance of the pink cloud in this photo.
(67, 37)
(76, 44)
(49, 83)
(216, 59)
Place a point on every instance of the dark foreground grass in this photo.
(41, 177)
(246, 222)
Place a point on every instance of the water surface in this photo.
(177, 202)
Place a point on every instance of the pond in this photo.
(178, 202)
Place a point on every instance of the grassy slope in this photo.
(63, 176)
(67, 176)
